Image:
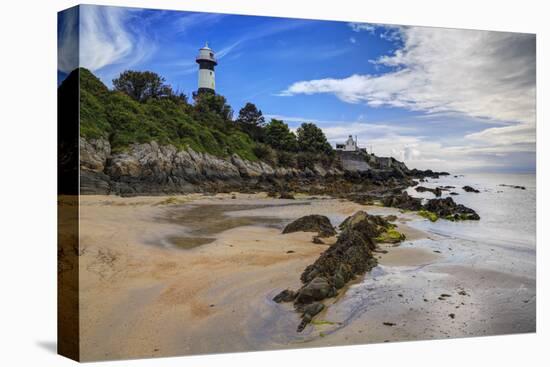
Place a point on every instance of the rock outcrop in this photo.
(470, 189)
(350, 256)
(403, 201)
(448, 209)
(311, 223)
(437, 191)
(151, 169)
(514, 186)
(434, 209)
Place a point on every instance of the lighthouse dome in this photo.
(206, 54)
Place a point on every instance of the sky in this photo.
(435, 98)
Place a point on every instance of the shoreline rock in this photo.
(403, 201)
(434, 209)
(350, 256)
(470, 189)
(514, 186)
(448, 209)
(311, 223)
(437, 191)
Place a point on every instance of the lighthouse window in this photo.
(210, 73)
(211, 55)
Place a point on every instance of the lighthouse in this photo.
(207, 62)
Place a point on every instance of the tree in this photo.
(213, 103)
(142, 85)
(251, 121)
(279, 136)
(312, 139)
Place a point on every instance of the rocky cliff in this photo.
(153, 169)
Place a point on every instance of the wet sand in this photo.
(196, 274)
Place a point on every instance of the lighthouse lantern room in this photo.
(207, 61)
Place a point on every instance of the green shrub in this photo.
(286, 159)
(306, 160)
(265, 153)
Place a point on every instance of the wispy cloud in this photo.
(185, 23)
(67, 49)
(508, 135)
(359, 27)
(107, 37)
(220, 54)
(259, 33)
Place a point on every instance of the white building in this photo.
(349, 146)
(207, 62)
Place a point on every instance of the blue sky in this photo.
(436, 98)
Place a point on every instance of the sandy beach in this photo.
(163, 276)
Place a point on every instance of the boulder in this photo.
(402, 201)
(448, 209)
(470, 189)
(309, 312)
(391, 218)
(311, 223)
(314, 308)
(436, 191)
(286, 195)
(352, 250)
(318, 241)
(514, 186)
(316, 290)
(370, 226)
(285, 296)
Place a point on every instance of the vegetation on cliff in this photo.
(142, 108)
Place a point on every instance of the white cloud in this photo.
(358, 27)
(352, 40)
(508, 135)
(478, 151)
(107, 38)
(477, 73)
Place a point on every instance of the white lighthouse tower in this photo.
(207, 62)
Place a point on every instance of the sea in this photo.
(508, 214)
